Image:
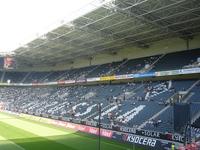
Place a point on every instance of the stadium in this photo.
(124, 75)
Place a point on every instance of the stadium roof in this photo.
(113, 26)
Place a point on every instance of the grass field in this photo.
(20, 134)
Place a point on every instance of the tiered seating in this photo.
(130, 104)
(35, 77)
(195, 109)
(163, 123)
(186, 59)
(122, 104)
(79, 73)
(136, 65)
(197, 123)
(14, 77)
(195, 94)
(53, 76)
(104, 69)
(177, 60)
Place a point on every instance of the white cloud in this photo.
(21, 20)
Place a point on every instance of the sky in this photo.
(24, 20)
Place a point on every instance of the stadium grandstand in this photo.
(123, 76)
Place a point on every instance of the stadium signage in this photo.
(61, 82)
(140, 140)
(76, 121)
(66, 119)
(81, 81)
(109, 78)
(129, 130)
(107, 126)
(91, 123)
(142, 75)
(69, 125)
(106, 78)
(151, 134)
(93, 130)
(81, 128)
(93, 79)
(69, 81)
(52, 83)
(177, 72)
(191, 70)
(106, 133)
(130, 76)
(177, 137)
(124, 76)
(61, 123)
(146, 133)
(151, 143)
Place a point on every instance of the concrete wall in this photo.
(160, 47)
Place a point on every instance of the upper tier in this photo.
(171, 61)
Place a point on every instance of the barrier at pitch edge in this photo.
(108, 78)
(151, 143)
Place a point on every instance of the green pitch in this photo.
(20, 134)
